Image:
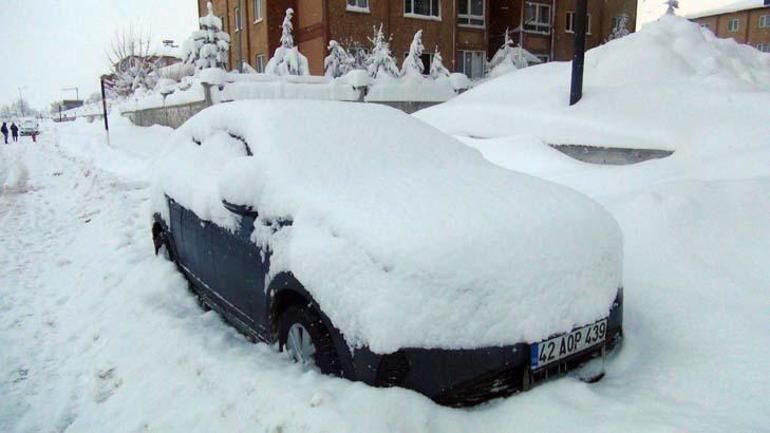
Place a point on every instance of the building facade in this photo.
(748, 25)
(466, 32)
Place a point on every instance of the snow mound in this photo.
(14, 175)
(632, 87)
(674, 50)
(403, 235)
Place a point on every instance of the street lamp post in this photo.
(104, 111)
(578, 58)
(21, 100)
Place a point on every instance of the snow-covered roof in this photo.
(169, 51)
(404, 236)
(735, 6)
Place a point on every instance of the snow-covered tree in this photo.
(207, 47)
(287, 60)
(412, 66)
(437, 68)
(510, 57)
(339, 62)
(380, 60)
(133, 63)
(359, 53)
(621, 28)
(673, 5)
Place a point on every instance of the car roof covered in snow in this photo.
(403, 235)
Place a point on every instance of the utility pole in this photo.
(21, 100)
(578, 58)
(104, 110)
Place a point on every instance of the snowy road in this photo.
(99, 335)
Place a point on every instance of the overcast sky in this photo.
(52, 44)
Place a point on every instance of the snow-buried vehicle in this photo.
(382, 250)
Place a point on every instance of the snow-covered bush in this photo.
(380, 61)
(437, 68)
(287, 59)
(207, 47)
(412, 66)
(509, 58)
(621, 28)
(339, 62)
(133, 64)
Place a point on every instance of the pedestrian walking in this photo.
(15, 132)
(34, 135)
(4, 130)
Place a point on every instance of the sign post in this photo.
(578, 58)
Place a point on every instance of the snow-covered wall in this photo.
(172, 104)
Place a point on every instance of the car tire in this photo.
(306, 320)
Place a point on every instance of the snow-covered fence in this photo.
(172, 106)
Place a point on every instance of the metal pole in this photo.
(239, 18)
(21, 102)
(578, 58)
(104, 112)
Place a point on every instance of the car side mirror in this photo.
(240, 209)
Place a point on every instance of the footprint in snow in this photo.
(107, 384)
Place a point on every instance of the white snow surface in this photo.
(387, 212)
(662, 87)
(99, 335)
(733, 6)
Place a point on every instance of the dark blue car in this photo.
(231, 244)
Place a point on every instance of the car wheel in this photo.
(304, 336)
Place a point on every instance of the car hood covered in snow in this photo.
(404, 236)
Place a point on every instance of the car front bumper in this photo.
(468, 377)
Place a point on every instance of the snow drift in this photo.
(662, 87)
(404, 236)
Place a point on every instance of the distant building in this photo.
(748, 22)
(69, 104)
(466, 32)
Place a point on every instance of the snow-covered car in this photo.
(29, 126)
(377, 248)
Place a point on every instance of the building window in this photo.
(259, 63)
(358, 5)
(422, 8)
(470, 12)
(471, 63)
(257, 11)
(237, 14)
(538, 18)
(733, 25)
(617, 21)
(764, 21)
(764, 47)
(571, 23)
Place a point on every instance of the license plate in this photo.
(562, 346)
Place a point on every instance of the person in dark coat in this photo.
(4, 130)
(15, 132)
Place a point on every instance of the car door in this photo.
(242, 268)
(192, 237)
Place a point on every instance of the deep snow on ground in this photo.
(97, 334)
(671, 85)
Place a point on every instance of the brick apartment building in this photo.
(747, 23)
(466, 32)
